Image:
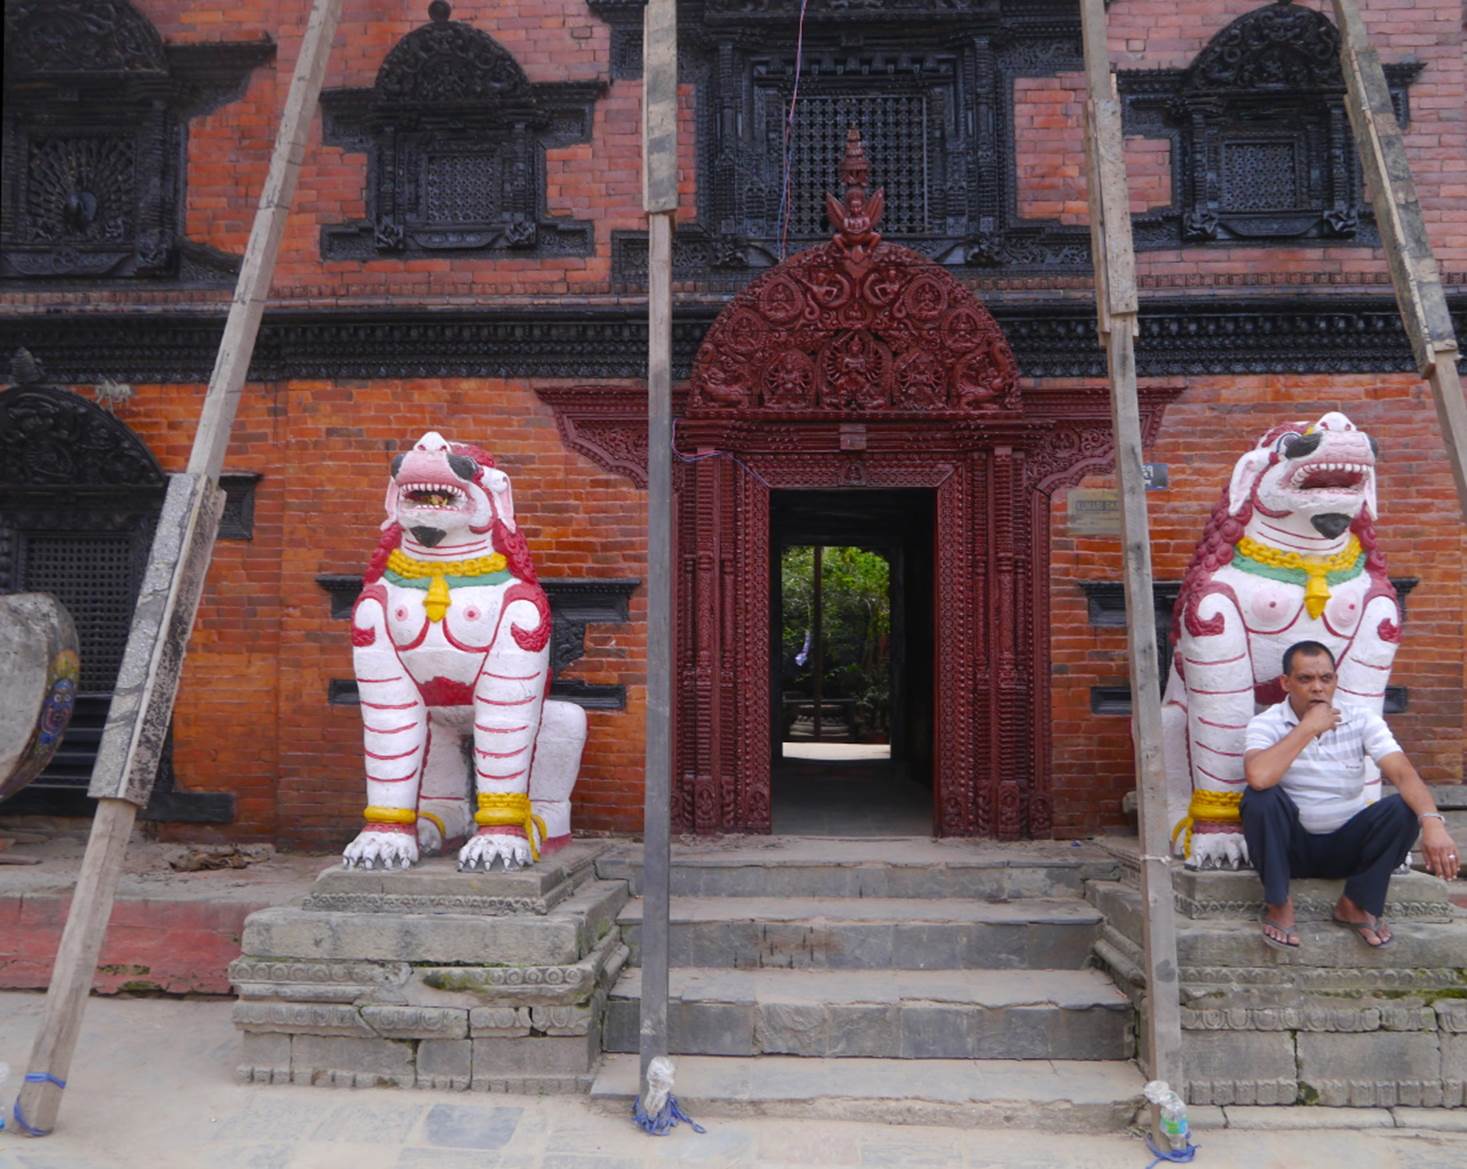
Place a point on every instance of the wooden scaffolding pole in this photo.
(127, 760)
(659, 199)
(1414, 271)
(1116, 308)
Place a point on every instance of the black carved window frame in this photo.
(1202, 118)
(77, 479)
(237, 522)
(506, 135)
(986, 44)
(95, 141)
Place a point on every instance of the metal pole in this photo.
(660, 197)
(127, 760)
(1116, 307)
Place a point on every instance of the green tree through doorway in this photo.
(835, 644)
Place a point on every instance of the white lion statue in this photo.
(450, 642)
(1289, 555)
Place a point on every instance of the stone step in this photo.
(1053, 1096)
(1239, 894)
(1426, 955)
(870, 933)
(827, 867)
(905, 1014)
(565, 933)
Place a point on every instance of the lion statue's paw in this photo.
(483, 850)
(1219, 850)
(381, 850)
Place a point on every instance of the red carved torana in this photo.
(861, 364)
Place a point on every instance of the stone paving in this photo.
(153, 1088)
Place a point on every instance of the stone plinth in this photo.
(434, 978)
(1332, 1023)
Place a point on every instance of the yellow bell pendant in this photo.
(438, 598)
(1316, 594)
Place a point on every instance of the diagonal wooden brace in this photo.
(137, 722)
(1414, 271)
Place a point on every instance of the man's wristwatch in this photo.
(1425, 816)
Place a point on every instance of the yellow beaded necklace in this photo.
(435, 572)
(1319, 571)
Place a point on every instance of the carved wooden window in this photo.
(455, 135)
(95, 126)
(1261, 147)
(930, 86)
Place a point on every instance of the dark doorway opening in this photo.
(852, 602)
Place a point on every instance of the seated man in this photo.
(1304, 813)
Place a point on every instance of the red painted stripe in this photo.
(403, 755)
(1219, 662)
(375, 681)
(513, 677)
(1215, 751)
(486, 775)
(500, 754)
(1242, 690)
(1219, 778)
(1367, 665)
(500, 730)
(391, 706)
(1364, 693)
(391, 779)
(390, 730)
(496, 702)
(1207, 722)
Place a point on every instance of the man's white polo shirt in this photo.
(1326, 781)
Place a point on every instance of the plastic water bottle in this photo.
(1174, 1125)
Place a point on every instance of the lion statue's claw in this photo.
(483, 850)
(1219, 850)
(372, 850)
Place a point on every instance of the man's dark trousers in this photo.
(1365, 850)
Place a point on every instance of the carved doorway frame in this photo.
(861, 364)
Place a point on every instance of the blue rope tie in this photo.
(19, 1117)
(666, 1119)
(1177, 1157)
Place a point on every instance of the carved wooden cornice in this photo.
(1052, 338)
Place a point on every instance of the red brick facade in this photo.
(252, 717)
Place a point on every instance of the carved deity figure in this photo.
(450, 642)
(854, 218)
(1289, 555)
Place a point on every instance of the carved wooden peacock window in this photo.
(95, 133)
(1261, 146)
(455, 136)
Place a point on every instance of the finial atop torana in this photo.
(855, 171)
(855, 217)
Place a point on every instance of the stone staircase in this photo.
(903, 980)
(1333, 1023)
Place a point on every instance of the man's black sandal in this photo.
(1291, 934)
(1372, 923)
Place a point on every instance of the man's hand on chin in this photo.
(1320, 718)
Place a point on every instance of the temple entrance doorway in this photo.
(852, 662)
